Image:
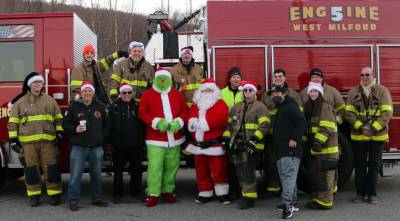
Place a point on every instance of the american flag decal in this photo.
(17, 31)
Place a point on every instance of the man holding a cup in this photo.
(87, 125)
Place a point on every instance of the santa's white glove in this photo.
(193, 124)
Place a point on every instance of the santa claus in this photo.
(163, 109)
(207, 119)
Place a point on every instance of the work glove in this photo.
(162, 125)
(174, 126)
(317, 147)
(251, 146)
(15, 145)
(122, 53)
(58, 138)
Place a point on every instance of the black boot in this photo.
(34, 200)
(55, 200)
(246, 203)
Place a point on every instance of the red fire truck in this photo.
(48, 43)
(340, 37)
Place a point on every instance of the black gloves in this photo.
(251, 146)
(15, 145)
(317, 147)
(122, 53)
(58, 139)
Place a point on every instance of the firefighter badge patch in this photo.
(97, 114)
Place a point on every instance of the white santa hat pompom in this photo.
(315, 86)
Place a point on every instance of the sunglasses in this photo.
(127, 92)
(365, 75)
(247, 90)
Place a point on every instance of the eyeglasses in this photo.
(247, 90)
(127, 92)
(365, 75)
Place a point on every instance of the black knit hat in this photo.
(234, 71)
(278, 88)
(316, 71)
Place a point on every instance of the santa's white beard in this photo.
(206, 100)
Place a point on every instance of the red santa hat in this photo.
(136, 44)
(88, 48)
(315, 86)
(208, 84)
(248, 85)
(85, 85)
(125, 87)
(187, 50)
(162, 72)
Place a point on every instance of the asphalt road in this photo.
(14, 206)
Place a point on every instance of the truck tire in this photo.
(346, 160)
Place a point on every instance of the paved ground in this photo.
(13, 205)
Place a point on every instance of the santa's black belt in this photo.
(209, 143)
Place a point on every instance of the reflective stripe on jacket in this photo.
(377, 114)
(35, 118)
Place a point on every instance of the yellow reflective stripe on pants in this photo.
(259, 135)
(227, 133)
(59, 128)
(36, 137)
(76, 83)
(314, 130)
(113, 92)
(14, 120)
(12, 134)
(322, 203)
(273, 111)
(273, 189)
(263, 119)
(367, 138)
(47, 117)
(251, 126)
(250, 194)
(377, 126)
(325, 123)
(386, 107)
(104, 63)
(260, 146)
(59, 116)
(321, 137)
(53, 192)
(116, 77)
(135, 82)
(327, 150)
(33, 193)
(357, 124)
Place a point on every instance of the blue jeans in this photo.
(78, 158)
(288, 167)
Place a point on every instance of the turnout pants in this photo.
(246, 173)
(211, 173)
(41, 156)
(271, 175)
(162, 168)
(121, 156)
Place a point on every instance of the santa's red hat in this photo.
(88, 48)
(162, 72)
(209, 83)
(187, 50)
(125, 87)
(85, 85)
(248, 85)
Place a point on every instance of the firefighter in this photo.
(248, 122)
(134, 70)
(369, 109)
(271, 175)
(323, 146)
(187, 75)
(88, 126)
(35, 129)
(230, 94)
(127, 140)
(90, 70)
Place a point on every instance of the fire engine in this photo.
(340, 37)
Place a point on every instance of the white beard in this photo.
(206, 100)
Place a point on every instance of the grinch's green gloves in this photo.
(162, 125)
(174, 126)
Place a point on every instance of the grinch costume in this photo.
(163, 109)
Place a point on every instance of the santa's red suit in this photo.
(207, 123)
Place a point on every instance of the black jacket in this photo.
(289, 124)
(127, 130)
(97, 124)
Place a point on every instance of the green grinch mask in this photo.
(162, 83)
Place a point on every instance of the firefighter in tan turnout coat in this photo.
(35, 128)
